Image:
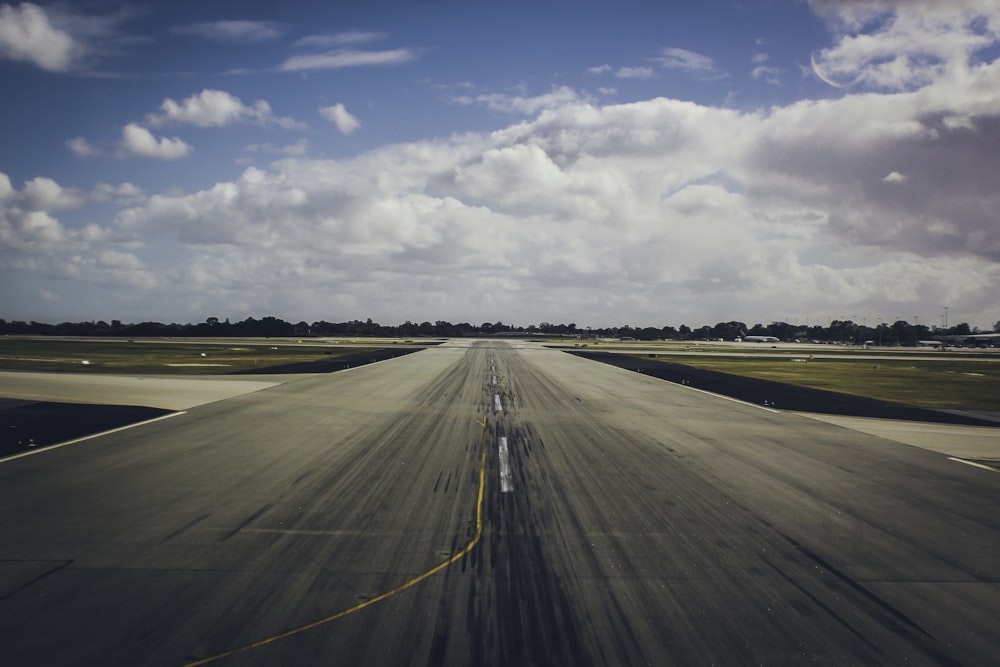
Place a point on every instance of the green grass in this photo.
(960, 385)
(769, 349)
(115, 355)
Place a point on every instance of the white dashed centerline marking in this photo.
(506, 486)
(496, 403)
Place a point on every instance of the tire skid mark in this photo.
(246, 522)
(458, 557)
(34, 580)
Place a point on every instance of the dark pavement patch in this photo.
(778, 394)
(331, 364)
(28, 425)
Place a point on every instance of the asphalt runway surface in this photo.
(495, 504)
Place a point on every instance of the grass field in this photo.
(777, 349)
(115, 355)
(962, 384)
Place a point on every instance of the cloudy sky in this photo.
(603, 163)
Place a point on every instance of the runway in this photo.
(495, 503)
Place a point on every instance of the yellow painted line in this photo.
(367, 603)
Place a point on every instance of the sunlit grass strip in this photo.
(958, 385)
(159, 357)
(775, 349)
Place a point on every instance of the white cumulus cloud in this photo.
(26, 221)
(27, 35)
(44, 194)
(877, 201)
(122, 194)
(82, 147)
(589, 212)
(137, 141)
(903, 45)
(215, 108)
(341, 117)
(55, 37)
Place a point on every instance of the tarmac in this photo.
(971, 442)
(975, 443)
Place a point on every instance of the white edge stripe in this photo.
(701, 391)
(49, 448)
(728, 398)
(973, 464)
(380, 361)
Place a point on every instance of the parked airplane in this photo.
(759, 339)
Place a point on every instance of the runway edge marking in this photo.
(398, 589)
(973, 464)
(49, 448)
(700, 391)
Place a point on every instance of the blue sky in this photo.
(601, 163)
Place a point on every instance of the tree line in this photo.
(837, 332)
